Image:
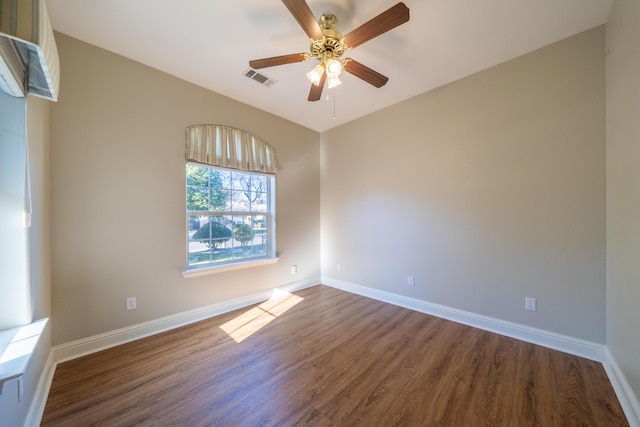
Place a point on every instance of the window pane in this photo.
(240, 202)
(259, 242)
(198, 247)
(220, 199)
(225, 179)
(240, 181)
(242, 236)
(259, 202)
(197, 198)
(210, 241)
(247, 240)
(195, 221)
(197, 175)
(259, 183)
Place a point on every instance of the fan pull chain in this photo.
(328, 97)
(334, 103)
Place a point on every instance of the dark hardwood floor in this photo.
(323, 357)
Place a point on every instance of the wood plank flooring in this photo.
(323, 357)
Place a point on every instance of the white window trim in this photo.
(204, 271)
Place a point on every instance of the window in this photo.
(15, 297)
(230, 216)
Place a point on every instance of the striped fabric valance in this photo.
(228, 147)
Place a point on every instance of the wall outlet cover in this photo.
(530, 304)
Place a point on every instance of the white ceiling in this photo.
(209, 43)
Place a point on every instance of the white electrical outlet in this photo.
(131, 303)
(294, 269)
(411, 281)
(339, 267)
(530, 304)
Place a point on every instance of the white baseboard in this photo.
(82, 347)
(36, 409)
(626, 396)
(564, 343)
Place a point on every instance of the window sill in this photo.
(196, 272)
(16, 347)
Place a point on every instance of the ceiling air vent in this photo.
(259, 77)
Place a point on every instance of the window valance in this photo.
(229, 147)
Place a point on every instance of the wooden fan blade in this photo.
(278, 60)
(387, 20)
(316, 90)
(302, 13)
(365, 73)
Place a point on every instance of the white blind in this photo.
(229, 147)
(15, 288)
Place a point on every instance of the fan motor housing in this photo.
(332, 44)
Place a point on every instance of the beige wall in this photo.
(487, 190)
(623, 188)
(118, 212)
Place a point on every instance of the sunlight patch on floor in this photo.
(254, 319)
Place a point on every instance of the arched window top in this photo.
(228, 147)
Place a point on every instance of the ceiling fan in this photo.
(328, 46)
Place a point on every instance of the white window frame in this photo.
(235, 264)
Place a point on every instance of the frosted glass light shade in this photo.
(315, 75)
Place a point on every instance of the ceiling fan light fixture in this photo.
(334, 67)
(333, 81)
(315, 75)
